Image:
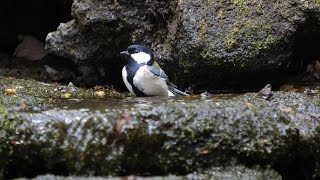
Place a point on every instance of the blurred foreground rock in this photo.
(154, 136)
(227, 173)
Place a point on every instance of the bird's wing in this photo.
(157, 71)
(172, 88)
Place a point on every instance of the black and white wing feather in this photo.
(157, 71)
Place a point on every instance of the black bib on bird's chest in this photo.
(131, 71)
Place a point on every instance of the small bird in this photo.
(143, 76)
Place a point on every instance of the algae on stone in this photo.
(35, 95)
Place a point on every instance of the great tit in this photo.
(143, 76)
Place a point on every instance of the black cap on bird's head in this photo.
(138, 54)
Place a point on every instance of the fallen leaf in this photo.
(204, 150)
(100, 93)
(249, 105)
(10, 91)
(66, 95)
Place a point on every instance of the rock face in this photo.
(198, 41)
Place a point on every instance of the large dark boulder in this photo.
(102, 28)
(201, 43)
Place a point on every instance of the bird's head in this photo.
(138, 54)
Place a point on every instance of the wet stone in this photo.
(158, 136)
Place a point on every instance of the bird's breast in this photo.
(125, 79)
(149, 83)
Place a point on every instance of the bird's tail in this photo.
(176, 91)
(173, 89)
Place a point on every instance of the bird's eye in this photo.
(133, 51)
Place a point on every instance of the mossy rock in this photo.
(198, 43)
(170, 136)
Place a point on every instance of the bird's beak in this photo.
(124, 53)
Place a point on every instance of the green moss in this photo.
(255, 33)
(231, 38)
(230, 42)
(202, 30)
(30, 93)
(251, 36)
(252, 31)
(264, 44)
(221, 13)
(239, 2)
(3, 110)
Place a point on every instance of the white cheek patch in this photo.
(141, 57)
